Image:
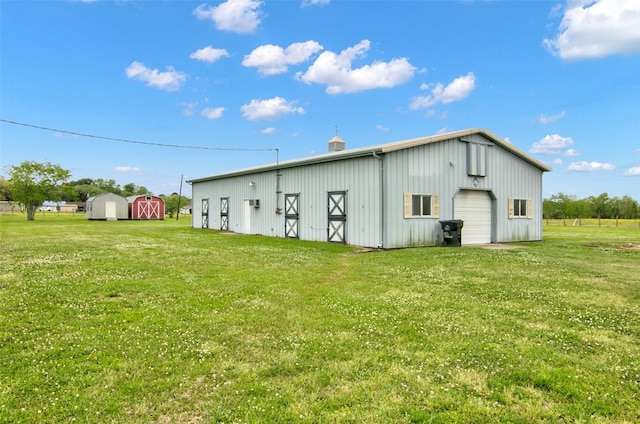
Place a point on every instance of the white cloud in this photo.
(336, 72)
(382, 128)
(239, 16)
(456, 90)
(557, 161)
(188, 108)
(209, 54)
(571, 152)
(133, 170)
(269, 109)
(272, 60)
(268, 131)
(551, 145)
(633, 171)
(543, 119)
(306, 3)
(212, 112)
(585, 166)
(171, 80)
(597, 28)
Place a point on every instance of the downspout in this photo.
(382, 200)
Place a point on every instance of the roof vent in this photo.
(336, 144)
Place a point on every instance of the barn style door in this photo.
(205, 213)
(291, 215)
(148, 210)
(224, 213)
(337, 216)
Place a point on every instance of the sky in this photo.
(152, 92)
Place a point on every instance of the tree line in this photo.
(562, 206)
(32, 183)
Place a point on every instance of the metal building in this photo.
(389, 196)
(146, 207)
(108, 206)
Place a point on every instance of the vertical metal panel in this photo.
(428, 169)
(359, 177)
(441, 168)
(437, 168)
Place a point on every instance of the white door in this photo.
(247, 217)
(110, 210)
(474, 208)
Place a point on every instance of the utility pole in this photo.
(179, 197)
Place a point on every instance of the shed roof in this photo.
(382, 148)
(131, 199)
(92, 198)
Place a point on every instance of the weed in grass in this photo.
(159, 322)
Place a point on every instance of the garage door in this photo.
(474, 208)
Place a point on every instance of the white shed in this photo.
(389, 196)
(107, 206)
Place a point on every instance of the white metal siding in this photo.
(435, 169)
(474, 208)
(375, 187)
(359, 177)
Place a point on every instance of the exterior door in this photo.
(246, 222)
(148, 210)
(224, 213)
(205, 213)
(474, 208)
(291, 215)
(337, 217)
(110, 210)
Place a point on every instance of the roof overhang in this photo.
(380, 149)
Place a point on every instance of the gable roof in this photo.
(382, 148)
(117, 196)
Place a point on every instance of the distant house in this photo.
(7, 206)
(146, 207)
(80, 206)
(185, 210)
(389, 196)
(68, 207)
(107, 206)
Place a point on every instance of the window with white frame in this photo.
(421, 205)
(520, 208)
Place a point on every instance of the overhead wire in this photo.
(148, 143)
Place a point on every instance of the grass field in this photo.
(136, 322)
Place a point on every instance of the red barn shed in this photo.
(146, 207)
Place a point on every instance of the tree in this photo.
(131, 189)
(32, 183)
(171, 202)
(628, 208)
(5, 191)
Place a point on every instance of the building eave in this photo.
(379, 149)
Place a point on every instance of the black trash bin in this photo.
(452, 232)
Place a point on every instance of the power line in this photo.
(147, 143)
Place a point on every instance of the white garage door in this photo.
(474, 208)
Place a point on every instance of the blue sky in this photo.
(557, 79)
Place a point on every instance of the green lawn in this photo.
(129, 322)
